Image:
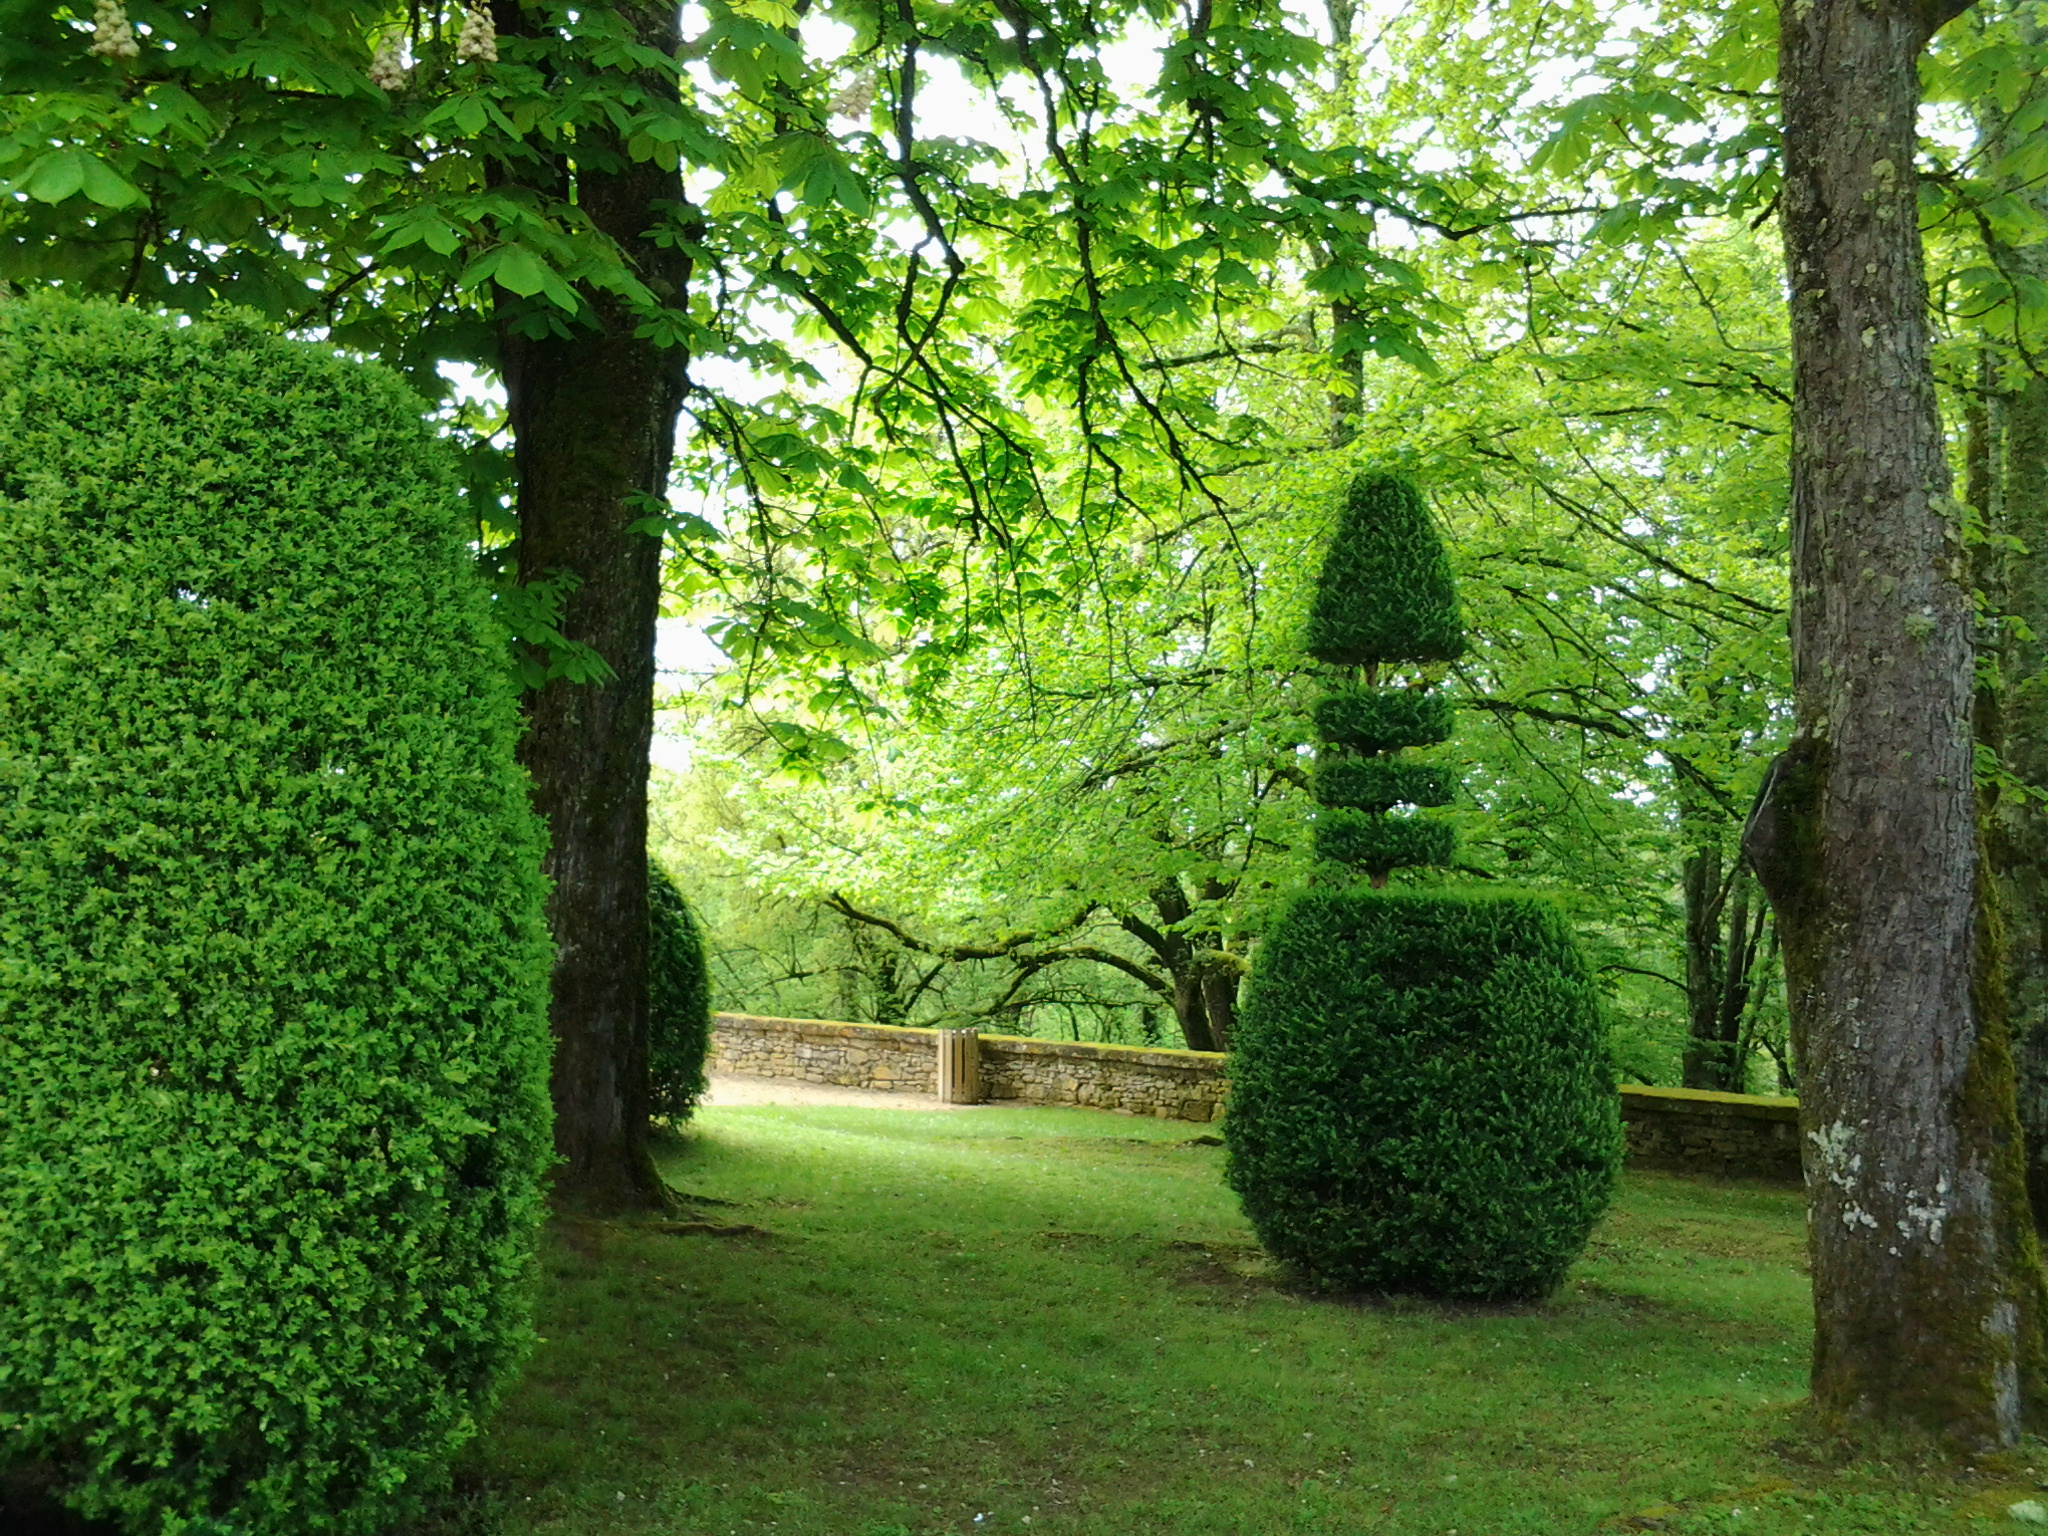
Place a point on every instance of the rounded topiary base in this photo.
(1420, 1098)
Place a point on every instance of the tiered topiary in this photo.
(678, 999)
(273, 969)
(1386, 597)
(1420, 1098)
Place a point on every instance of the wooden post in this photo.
(959, 1066)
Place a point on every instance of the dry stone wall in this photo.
(1724, 1134)
(1132, 1080)
(1731, 1135)
(818, 1051)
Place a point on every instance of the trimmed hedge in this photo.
(1379, 783)
(1386, 592)
(273, 967)
(678, 999)
(1377, 844)
(1383, 720)
(1419, 1097)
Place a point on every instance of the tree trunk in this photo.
(593, 415)
(1191, 1011)
(1926, 1288)
(1706, 968)
(1176, 955)
(1738, 978)
(1219, 1003)
(2018, 832)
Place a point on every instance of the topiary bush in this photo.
(678, 999)
(273, 970)
(1420, 1100)
(1385, 595)
(1386, 592)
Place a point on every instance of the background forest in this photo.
(1080, 822)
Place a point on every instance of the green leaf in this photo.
(57, 175)
(521, 271)
(108, 187)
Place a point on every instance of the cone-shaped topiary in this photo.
(273, 970)
(1419, 1096)
(678, 999)
(1386, 592)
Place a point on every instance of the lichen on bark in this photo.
(1927, 1288)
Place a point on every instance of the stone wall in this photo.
(1732, 1135)
(1132, 1080)
(1728, 1135)
(818, 1051)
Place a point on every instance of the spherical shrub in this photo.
(273, 1036)
(678, 999)
(1420, 1100)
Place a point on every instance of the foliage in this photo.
(1418, 1096)
(1385, 593)
(678, 998)
(272, 1002)
(864, 400)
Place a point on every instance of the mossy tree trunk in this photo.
(1926, 1286)
(2007, 467)
(2018, 829)
(593, 413)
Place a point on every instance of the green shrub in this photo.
(1386, 592)
(273, 969)
(1378, 784)
(1382, 720)
(1419, 1098)
(679, 999)
(1376, 844)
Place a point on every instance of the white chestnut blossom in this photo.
(387, 67)
(479, 39)
(855, 99)
(112, 37)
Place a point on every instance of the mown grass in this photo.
(1056, 1322)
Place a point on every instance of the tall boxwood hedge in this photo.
(678, 999)
(1419, 1097)
(273, 1041)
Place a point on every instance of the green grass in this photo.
(1057, 1321)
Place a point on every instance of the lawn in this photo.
(887, 1323)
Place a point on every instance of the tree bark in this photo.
(1926, 1289)
(593, 415)
(1706, 968)
(1175, 952)
(2007, 467)
(1219, 1004)
(2018, 830)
